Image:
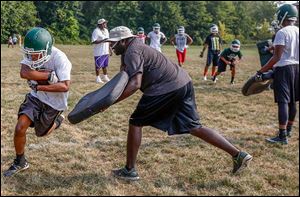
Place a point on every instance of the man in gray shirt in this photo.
(168, 102)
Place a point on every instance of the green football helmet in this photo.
(235, 45)
(38, 42)
(286, 11)
(140, 30)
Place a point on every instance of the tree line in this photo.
(72, 22)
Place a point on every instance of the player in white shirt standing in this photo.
(101, 49)
(285, 63)
(157, 38)
(48, 73)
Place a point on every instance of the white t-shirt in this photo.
(102, 48)
(289, 37)
(155, 39)
(62, 67)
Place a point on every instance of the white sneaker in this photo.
(105, 78)
(204, 78)
(98, 80)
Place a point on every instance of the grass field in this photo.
(78, 159)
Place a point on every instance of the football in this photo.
(43, 82)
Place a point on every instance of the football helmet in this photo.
(156, 27)
(235, 45)
(37, 47)
(140, 30)
(286, 11)
(180, 30)
(214, 29)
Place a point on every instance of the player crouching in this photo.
(229, 57)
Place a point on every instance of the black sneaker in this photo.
(240, 161)
(277, 139)
(15, 168)
(280, 138)
(124, 174)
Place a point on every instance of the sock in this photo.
(205, 71)
(282, 133)
(237, 154)
(213, 71)
(289, 127)
(128, 169)
(20, 158)
(232, 79)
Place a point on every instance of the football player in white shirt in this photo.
(48, 72)
(285, 63)
(101, 49)
(157, 38)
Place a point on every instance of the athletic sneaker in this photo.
(232, 83)
(278, 139)
(98, 80)
(15, 168)
(124, 174)
(241, 161)
(204, 78)
(105, 78)
(59, 120)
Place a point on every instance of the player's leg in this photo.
(20, 162)
(134, 139)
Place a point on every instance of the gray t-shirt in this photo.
(160, 75)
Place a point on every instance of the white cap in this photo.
(102, 20)
(119, 33)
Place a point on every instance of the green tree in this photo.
(167, 14)
(59, 17)
(198, 19)
(17, 17)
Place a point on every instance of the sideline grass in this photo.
(77, 159)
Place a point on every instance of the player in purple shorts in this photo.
(101, 50)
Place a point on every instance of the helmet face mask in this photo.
(180, 30)
(156, 28)
(140, 31)
(235, 46)
(37, 47)
(214, 30)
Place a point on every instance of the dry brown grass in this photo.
(77, 159)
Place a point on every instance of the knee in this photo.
(20, 129)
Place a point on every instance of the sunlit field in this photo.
(78, 159)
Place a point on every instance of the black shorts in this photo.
(42, 115)
(174, 112)
(222, 66)
(286, 84)
(212, 57)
